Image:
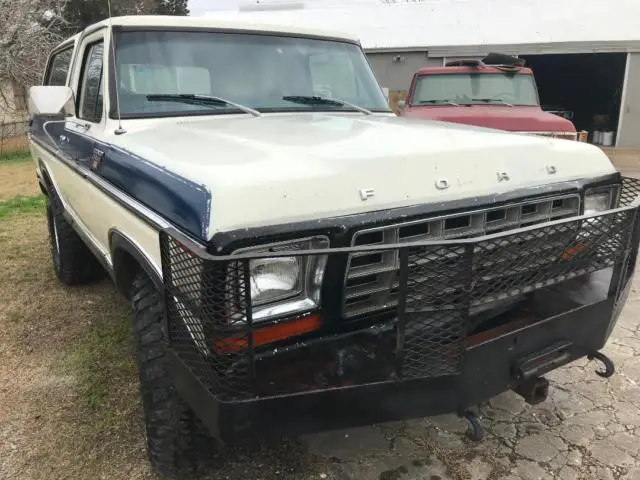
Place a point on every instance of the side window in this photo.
(58, 68)
(91, 84)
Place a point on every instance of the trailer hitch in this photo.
(534, 365)
(534, 390)
(609, 368)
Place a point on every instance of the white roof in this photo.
(459, 23)
(228, 23)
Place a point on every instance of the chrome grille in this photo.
(371, 279)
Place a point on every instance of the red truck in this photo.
(496, 92)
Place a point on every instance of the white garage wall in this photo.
(629, 123)
(395, 70)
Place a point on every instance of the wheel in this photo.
(175, 437)
(73, 262)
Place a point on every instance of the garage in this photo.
(584, 87)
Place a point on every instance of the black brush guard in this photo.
(429, 355)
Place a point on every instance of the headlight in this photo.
(597, 200)
(273, 279)
(286, 285)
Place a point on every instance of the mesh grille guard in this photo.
(208, 300)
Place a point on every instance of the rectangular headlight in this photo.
(597, 200)
(286, 285)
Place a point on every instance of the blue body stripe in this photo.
(179, 200)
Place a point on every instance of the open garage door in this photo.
(586, 86)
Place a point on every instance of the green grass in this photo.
(102, 362)
(15, 157)
(100, 359)
(22, 205)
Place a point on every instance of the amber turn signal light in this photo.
(572, 251)
(270, 334)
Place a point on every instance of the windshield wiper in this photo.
(318, 100)
(195, 99)
(448, 102)
(496, 100)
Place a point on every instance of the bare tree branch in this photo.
(29, 29)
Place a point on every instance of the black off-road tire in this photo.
(175, 436)
(73, 262)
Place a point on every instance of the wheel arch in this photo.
(44, 179)
(128, 260)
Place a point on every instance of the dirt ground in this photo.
(17, 178)
(14, 144)
(69, 405)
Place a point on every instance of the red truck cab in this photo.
(496, 92)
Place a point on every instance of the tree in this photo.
(173, 7)
(81, 13)
(29, 29)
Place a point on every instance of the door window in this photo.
(59, 68)
(92, 85)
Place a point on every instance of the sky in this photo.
(199, 7)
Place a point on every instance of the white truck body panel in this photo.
(284, 168)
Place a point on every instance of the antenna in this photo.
(119, 130)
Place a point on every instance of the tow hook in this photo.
(609, 368)
(476, 433)
(534, 390)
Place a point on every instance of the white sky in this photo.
(199, 7)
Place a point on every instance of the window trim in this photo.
(52, 56)
(85, 54)
(242, 31)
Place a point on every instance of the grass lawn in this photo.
(68, 382)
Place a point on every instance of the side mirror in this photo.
(51, 101)
(401, 103)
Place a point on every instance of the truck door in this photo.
(81, 134)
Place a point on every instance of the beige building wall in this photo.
(12, 103)
(13, 119)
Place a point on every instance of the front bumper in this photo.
(430, 355)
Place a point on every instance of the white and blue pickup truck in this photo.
(299, 258)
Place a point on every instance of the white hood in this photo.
(293, 167)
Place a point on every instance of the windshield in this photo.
(256, 71)
(475, 88)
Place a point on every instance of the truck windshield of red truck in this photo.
(475, 89)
